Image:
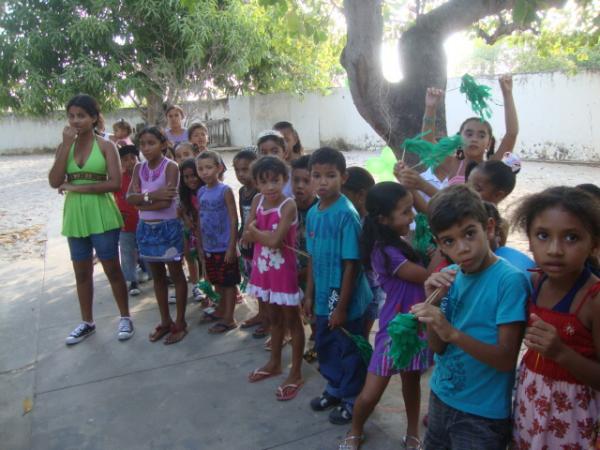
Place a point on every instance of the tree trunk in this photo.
(395, 110)
(154, 113)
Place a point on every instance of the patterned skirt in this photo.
(551, 414)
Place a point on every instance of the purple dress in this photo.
(401, 295)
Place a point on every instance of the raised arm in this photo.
(510, 118)
(58, 172)
(433, 98)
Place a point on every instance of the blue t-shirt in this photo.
(331, 237)
(518, 259)
(476, 305)
(215, 225)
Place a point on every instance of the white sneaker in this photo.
(126, 330)
(197, 294)
(82, 331)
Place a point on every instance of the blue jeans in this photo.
(106, 245)
(448, 428)
(129, 255)
(339, 361)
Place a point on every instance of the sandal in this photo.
(159, 332)
(209, 318)
(258, 375)
(220, 327)
(260, 332)
(416, 444)
(250, 323)
(351, 443)
(288, 391)
(176, 335)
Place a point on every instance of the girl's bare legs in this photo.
(228, 302)
(293, 324)
(192, 264)
(161, 290)
(367, 400)
(112, 269)
(411, 391)
(181, 288)
(277, 320)
(84, 272)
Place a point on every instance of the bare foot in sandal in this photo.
(159, 332)
(178, 332)
(220, 327)
(351, 443)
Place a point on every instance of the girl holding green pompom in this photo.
(389, 215)
(476, 133)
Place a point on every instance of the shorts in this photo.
(449, 428)
(160, 241)
(106, 245)
(221, 273)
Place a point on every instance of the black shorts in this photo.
(221, 273)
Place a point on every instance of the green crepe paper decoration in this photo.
(432, 155)
(405, 341)
(207, 289)
(382, 167)
(423, 239)
(244, 282)
(477, 95)
(364, 347)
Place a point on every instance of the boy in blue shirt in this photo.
(475, 326)
(337, 292)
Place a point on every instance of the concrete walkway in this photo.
(105, 394)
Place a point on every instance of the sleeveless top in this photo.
(570, 329)
(214, 218)
(88, 213)
(457, 179)
(152, 180)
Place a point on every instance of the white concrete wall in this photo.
(557, 116)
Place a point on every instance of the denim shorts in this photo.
(106, 245)
(160, 241)
(449, 428)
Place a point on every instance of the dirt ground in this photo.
(26, 199)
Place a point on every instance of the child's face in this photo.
(271, 185)
(242, 171)
(200, 138)
(191, 179)
(174, 118)
(301, 186)
(272, 148)
(477, 139)
(401, 216)
(467, 243)
(290, 140)
(327, 180)
(80, 119)
(208, 170)
(151, 147)
(121, 133)
(560, 243)
(480, 182)
(128, 162)
(182, 153)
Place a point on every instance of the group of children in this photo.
(324, 244)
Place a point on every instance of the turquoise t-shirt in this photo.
(331, 237)
(516, 258)
(476, 304)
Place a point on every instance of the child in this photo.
(183, 151)
(241, 165)
(476, 133)
(396, 263)
(476, 333)
(355, 187)
(291, 138)
(188, 212)
(175, 132)
(493, 180)
(557, 402)
(304, 195)
(153, 190)
(272, 227)
(271, 142)
(121, 132)
(198, 137)
(337, 292)
(127, 245)
(218, 238)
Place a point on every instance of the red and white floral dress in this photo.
(552, 409)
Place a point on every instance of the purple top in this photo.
(176, 138)
(152, 180)
(400, 294)
(214, 218)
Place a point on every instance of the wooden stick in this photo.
(300, 252)
(433, 295)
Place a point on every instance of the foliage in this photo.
(158, 50)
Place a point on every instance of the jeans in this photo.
(129, 255)
(106, 245)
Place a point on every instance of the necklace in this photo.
(152, 174)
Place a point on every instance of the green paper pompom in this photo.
(432, 155)
(423, 239)
(364, 347)
(477, 95)
(207, 289)
(405, 341)
(382, 167)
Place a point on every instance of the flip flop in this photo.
(159, 332)
(250, 324)
(288, 391)
(220, 327)
(209, 318)
(176, 335)
(351, 442)
(260, 332)
(258, 375)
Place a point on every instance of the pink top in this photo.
(457, 179)
(274, 276)
(152, 180)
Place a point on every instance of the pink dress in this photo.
(274, 278)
